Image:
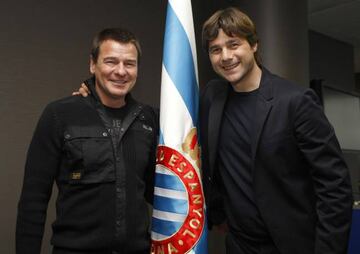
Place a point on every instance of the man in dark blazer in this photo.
(273, 168)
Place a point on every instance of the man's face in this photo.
(232, 57)
(115, 71)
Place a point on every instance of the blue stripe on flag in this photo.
(165, 227)
(161, 138)
(169, 182)
(179, 63)
(170, 205)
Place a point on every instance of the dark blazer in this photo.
(301, 182)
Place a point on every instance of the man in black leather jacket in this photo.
(100, 151)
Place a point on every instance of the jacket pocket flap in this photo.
(86, 132)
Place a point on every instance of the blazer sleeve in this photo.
(330, 175)
(40, 170)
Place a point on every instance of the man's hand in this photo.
(83, 91)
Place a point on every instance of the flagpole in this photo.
(179, 221)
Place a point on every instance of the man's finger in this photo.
(85, 88)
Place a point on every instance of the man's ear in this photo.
(92, 66)
(255, 47)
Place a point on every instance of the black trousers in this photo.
(238, 245)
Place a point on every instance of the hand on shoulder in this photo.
(83, 91)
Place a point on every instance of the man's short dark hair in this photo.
(120, 35)
(234, 23)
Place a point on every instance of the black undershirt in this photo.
(116, 116)
(235, 167)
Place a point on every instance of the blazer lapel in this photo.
(263, 108)
(215, 117)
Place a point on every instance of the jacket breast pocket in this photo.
(141, 137)
(89, 156)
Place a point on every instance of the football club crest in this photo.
(190, 231)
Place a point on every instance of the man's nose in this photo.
(226, 54)
(120, 69)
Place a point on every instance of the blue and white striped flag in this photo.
(179, 222)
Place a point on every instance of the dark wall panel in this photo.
(332, 61)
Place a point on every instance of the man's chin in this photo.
(119, 88)
(230, 78)
(118, 95)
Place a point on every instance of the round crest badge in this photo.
(185, 238)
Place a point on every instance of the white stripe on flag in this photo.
(160, 169)
(157, 236)
(176, 118)
(170, 193)
(168, 216)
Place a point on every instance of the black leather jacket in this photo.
(102, 186)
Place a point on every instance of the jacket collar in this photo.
(264, 105)
(265, 87)
(214, 122)
(134, 109)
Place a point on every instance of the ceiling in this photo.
(339, 19)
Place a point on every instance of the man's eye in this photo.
(214, 51)
(234, 45)
(130, 64)
(110, 62)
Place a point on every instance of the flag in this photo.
(178, 220)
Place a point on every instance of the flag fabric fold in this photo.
(178, 220)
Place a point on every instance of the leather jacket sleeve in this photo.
(40, 171)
